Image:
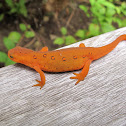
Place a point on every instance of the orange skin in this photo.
(61, 60)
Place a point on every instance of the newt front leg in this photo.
(80, 76)
(42, 82)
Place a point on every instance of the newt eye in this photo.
(11, 56)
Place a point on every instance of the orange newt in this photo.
(62, 60)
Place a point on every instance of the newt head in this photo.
(20, 54)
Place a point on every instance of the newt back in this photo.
(64, 59)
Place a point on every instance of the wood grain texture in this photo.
(99, 100)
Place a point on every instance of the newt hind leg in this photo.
(80, 76)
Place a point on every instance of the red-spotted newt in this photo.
(62, 60)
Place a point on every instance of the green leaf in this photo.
(29, 34)
(69, 40)
(94, 12)
(1, 17)
(109, 20)
(63, 31)
(59, 41)
(84, 8)
(124, 23)
(22, 2)
(94, 20)
(13, 10)
(22, 8)
(94, 29)
(110, 12)
(9, 3)
(9, 62)
(23, 11)
(108, 4)
(102, 10)
(80, 33)
(124, 12)
(22, 27)
(92, 2)
(100, 19)
(123, 8)
(8, 43)
(107, 27)
(3, 57)
(14, 36)
(118, 10)
(28, 26)
(98, 10)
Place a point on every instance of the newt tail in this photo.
(104, 50)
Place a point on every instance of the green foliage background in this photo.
(104, 14)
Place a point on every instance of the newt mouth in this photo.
(10, 54)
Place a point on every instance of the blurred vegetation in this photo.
(18, 8)
(65, 39)
(12, 39)
(103, 15)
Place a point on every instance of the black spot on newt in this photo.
(74, 57)
(34, 57)
(44, 55)
(52, 57)
(64, 59)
